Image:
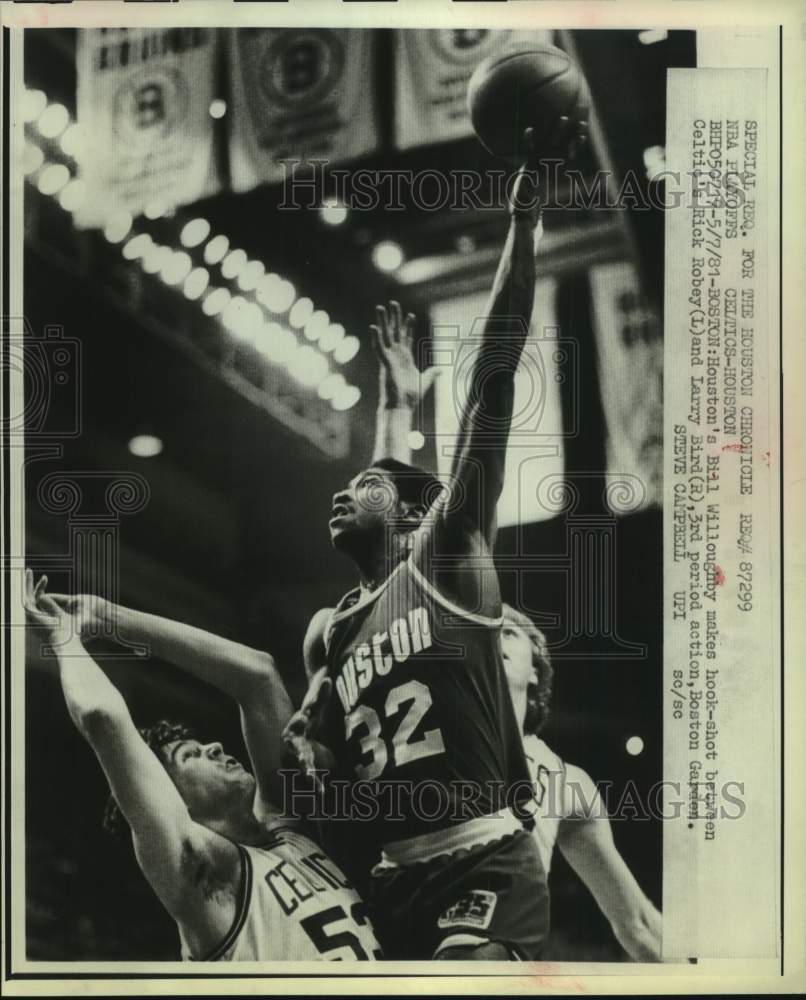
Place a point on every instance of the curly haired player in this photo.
(241, 881)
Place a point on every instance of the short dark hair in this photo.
(538, 694)
(413, 484)
(158, 736)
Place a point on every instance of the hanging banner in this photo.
(143, 103)
(431, 74)
(299, 94)
(630, 352)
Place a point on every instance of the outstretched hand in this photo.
(565, 142)
(402, 383)
(43, 613)
(90, 614)
(302, 727)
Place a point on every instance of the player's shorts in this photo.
(496, 892)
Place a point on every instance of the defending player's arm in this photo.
(402, 385)
(587, 844)
(183, 861)
(248, 675)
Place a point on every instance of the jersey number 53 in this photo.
(411, 700)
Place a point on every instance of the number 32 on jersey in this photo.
(411, 701)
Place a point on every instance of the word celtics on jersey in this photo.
(295, 905)
(422, 720)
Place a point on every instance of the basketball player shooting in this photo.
(241, 882)
(420, 718)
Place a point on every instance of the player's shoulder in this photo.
(314, 644)
(539, 754)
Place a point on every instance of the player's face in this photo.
(516, 652)
(206, 777)
(362, 509)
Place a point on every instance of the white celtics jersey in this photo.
(296, 905)
(548, 777)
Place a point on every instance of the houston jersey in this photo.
(421, 719)
(295, 905)
(548, 778)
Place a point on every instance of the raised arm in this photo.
(180, 858)
(587, 844)
(248, 675)
(402, 386)
(477, 469)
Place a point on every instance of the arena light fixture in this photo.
(194, 233)
(634, 746)
(216, 250)
(250, 276)
(333, 213)
(215, 301)
(53, 178)
(71, 140)
(332, 337)
(74, 195)
(387, 256)
(145, 446)
(346, 398)
(346, 349)
(176, 268)
(233, 264)
(332, 386)
(137, 246)
(301, 312)
(276, 293)
(317, 325)
(416, 440)
(218, 108)
(154, 258)
(118, 226)
(34, 103)
(32, 158)
(196, 283)
(53, 121)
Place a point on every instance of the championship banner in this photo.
(144, 115)
(299, 94)
(432, 68)
(630, 352)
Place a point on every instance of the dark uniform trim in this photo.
(244, 900)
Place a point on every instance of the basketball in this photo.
(524, 87)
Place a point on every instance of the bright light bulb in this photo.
(634, 746)
(346, 349)
(53, 120)
(331, 337)
(218, 108)
(118, 226)
(332, 385)
(301, 312)
(250, 276)
(145, 446)
(155, 258)
(71, 140)
(176, 268)
(196, 283)
(333, 213)
(53, 178)
(137, 246)
(347, 398)
(32, 158)
(194, 232)
(317, 324)
(216, 301)
(73, 195)
(416, 440)
(34, 103)
(216, 250)
(387, 256)
(155, 210)
(233, 264)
